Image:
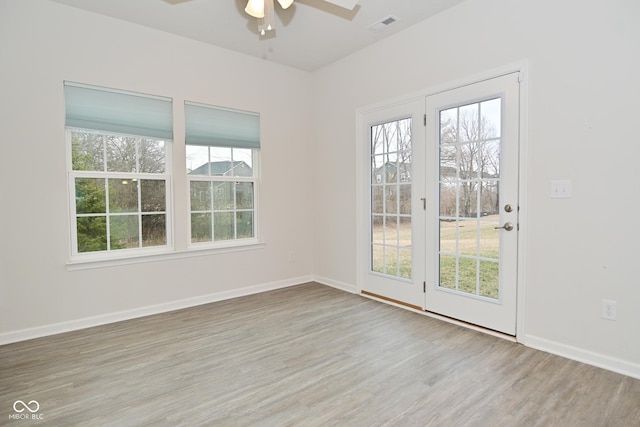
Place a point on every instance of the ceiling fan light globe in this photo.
(255, 8)
(285, 3)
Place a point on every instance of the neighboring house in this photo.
(223, 168)
(393, 171)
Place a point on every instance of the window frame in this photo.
(107, 111)
(125, 253)
(254, 179)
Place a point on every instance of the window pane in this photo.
(201, 227)
(377, 258)
(449, 126)
(376, 199)
(468, 123)
(489, 201)
(391, 169)
(92, 233)
(391, 199)
(201, 195)
(448, 161)
(90, 195)
(491, 118)
(223, 226)
(123, 195)
(490, 158)
(468, 161)
(222, 196)
(489, 273)
(404, 259)
(151, 156)
(377, 229)
(490, 238)
(448, 199)
(404, 235)
(405, 199)
(124, 231)
(121, 153)
(197, 160)
(448, 237)
(87, 151)
(467, 274)
(391, 260)
(244, 195)
(448, 271)
(468, 233)
(153, 195)
(244, 221)
(377, 169)
(243, 162)
(154, 230)
(221, 161)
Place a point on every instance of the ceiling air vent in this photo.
(384, 23)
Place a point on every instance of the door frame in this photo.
(362, 182)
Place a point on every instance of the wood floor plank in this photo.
(303, 356)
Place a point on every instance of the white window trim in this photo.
(139, 258)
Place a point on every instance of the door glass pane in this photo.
(469, 183)
(390, 208)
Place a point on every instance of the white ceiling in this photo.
(309, 35)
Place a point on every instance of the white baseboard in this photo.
(584, 356)
(574, 353)
(88, 322)
(335, 284)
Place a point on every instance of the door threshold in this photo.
(419, 310)
(472, 326)
(394, 301)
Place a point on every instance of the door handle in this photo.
(507, 226)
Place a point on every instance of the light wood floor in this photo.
(303, 356)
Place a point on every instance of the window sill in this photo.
(192, 251)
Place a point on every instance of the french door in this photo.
(392, 260)
(440, 203)
(472, 184)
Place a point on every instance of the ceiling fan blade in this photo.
(347, 4)
(174, 2)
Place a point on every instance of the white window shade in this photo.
(221, 127)
(91, 107)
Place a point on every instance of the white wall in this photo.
(43, 43)
(583, 82)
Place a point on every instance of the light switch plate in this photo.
(561, 189)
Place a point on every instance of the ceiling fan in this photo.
(263, 11)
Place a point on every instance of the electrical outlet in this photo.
(609, 309)
(292, 256)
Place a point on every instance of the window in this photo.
(391, 226)
(222, 158)
(118, 170)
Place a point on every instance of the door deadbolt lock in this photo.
(508, 208)
(507, 226)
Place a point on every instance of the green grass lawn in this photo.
(468, 260)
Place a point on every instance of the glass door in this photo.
(392, 261)
(474, 140)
